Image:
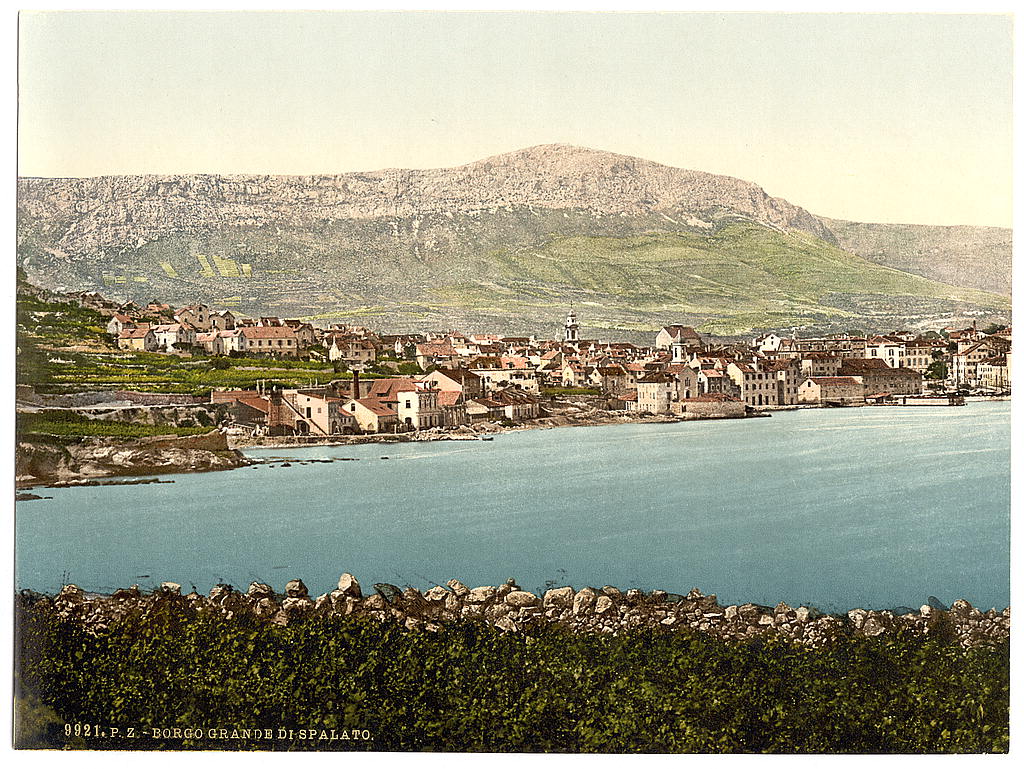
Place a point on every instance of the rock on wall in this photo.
(509, 608)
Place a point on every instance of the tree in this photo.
(992, 328)
(937, 370)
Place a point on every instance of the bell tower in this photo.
(572, 328)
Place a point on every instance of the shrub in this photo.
(469, 687)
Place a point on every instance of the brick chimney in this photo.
(355, 384)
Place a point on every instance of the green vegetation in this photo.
(74, 425)
(937, 369)
(470, 687)
(559, 391)
(65, 348)
(516, 271)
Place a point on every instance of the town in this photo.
(450, 379)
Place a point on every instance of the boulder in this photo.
(521, 598)
(296, 588)
(857, 617)
(391, 593)
(436, 594)
(349, 585)
(872, 627)
(170, 587)
(583, 603)
(604, 604)
(458, 588)
(559, 596)
(260, 590)
(481, 594)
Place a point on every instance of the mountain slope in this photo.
(977, 257)
(503, 243)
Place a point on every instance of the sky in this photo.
(873, 117)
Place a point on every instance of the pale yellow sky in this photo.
(899, 118)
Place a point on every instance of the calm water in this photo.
(872, 507)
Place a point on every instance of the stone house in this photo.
(841, 390)
(222, 320)
(684, 335)
(276, 341)
(656, 392)
(963, 368)
(195, 315)
(118, 323)
(172, 337)
(455, 380)
(372, 416)
(141, 339)
(880, 378)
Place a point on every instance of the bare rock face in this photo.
(39, 462)
(124, 211)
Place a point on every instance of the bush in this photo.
(469, 687)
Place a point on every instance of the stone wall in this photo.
(27, 394)
(511, 609)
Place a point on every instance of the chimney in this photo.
(355, 384)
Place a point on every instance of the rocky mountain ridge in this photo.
(89, 214)
(497, 243)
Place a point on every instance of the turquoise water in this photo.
(838, 508)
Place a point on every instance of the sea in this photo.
(874, 507)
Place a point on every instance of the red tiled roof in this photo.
(268, 332)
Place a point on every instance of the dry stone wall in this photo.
(512, 609)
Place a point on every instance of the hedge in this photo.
(470, 687)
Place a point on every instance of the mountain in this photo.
(975, 257)
(502, 243)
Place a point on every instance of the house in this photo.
(415, 402)
(497, 373)
(222, 320)
(484, 409)
(918, 353)
(207, 340)
(172, 337)
(118, 323)
(612, 379)
(305, 334)
(277, 341)
(819, 364)
(320, 412)
(436, 353)
(832, 389)
(455, 380)
(684, 335)
(655, 393)
(963, 369)
(878, 377)
(350, 349)
(888, 348)
(372, 416)
(141, 339)
(195, 315)
(768, 343)
(993, 373)
(515, 404)
(227, 342)
(453, 408)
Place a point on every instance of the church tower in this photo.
(572, 328)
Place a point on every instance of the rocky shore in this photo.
(43, 462)
(512, 609)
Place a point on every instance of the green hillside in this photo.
(516, 272)
(744, 276)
